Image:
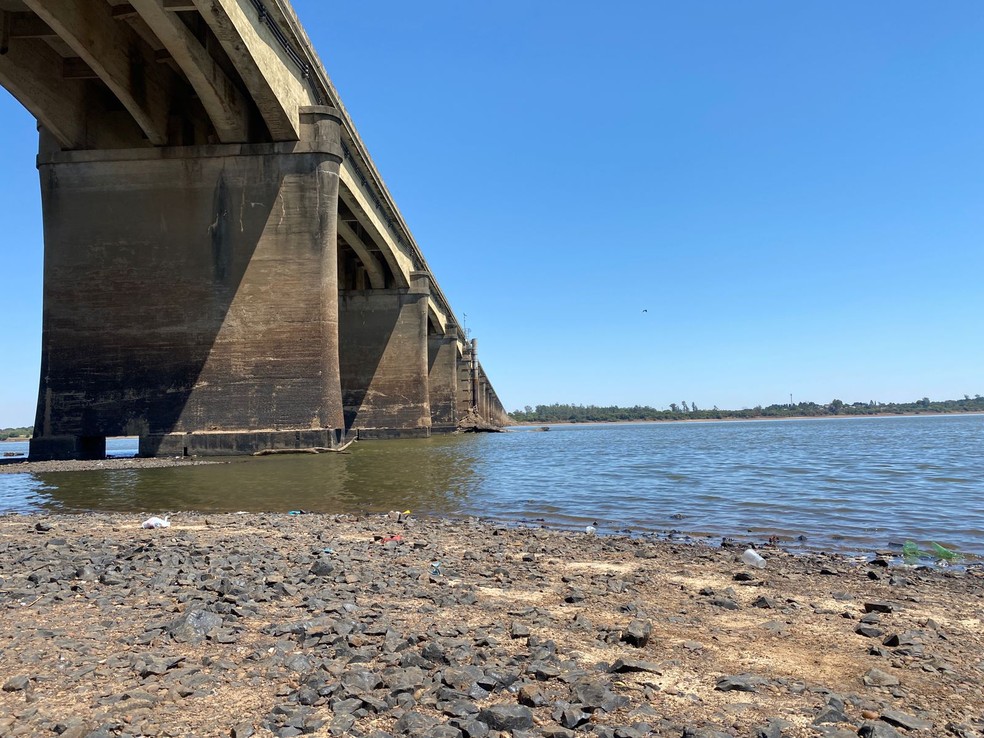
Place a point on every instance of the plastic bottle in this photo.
(752, 558)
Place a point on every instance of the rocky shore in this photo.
(258, 625)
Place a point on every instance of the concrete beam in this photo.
(271, 76)
(225, 104)
(32, 71)
(359, 203)
(374, 270)
(115, 53)
(438, 317)
(28, 25)
(75, 68)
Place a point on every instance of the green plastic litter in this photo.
(943, 553)
(911, 551)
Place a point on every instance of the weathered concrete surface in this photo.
(384, 372)
(191, 290)
(442, 377)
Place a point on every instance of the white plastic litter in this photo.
(752, 558)
(155, 522)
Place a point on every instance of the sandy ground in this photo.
(95, 633)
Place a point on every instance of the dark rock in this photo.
(739, 682)
(507, 717)
(879, 607)
(833, 731)
(595, 694)
(901, 639)
(322, 568)
(414, 722)
(903, 720)
(341, 724)
(570, 717)
(530, 695)
(622, 666)
(244, 730)
(472, 728)
(443, 731)
(765, 602)
(690, 732)
(962, 730)
(360, 681)
(773, 729)
(638, 633)
(726, 602)
(869, 631)
(743, 576)
(556, 731)
(17, 683)
(831, 714)
(877, 729)
(194, 626)
(519, 630)
(879, 678)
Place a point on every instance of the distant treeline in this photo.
(6, 433)
(684, 411)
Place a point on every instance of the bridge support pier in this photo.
(384, 361)
(443, 380)
(190, 297)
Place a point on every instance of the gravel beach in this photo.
(285, 625)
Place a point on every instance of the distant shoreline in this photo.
(845, 416)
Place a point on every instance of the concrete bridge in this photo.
(225, 270)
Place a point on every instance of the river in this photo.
(845, 484)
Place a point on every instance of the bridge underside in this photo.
(224, 270)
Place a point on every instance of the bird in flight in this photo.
(644, 310)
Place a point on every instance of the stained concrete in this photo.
(189, 291)
(384, 361)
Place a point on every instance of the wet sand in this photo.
(261, 624)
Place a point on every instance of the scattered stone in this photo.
(830, 714)
(901, 639)
(902, 720)
(739, 682)
(879, 678)
(507, 717)
(17, 683)
(623, 665)
(885, 607)
(194, 626)
(638, 632)
(878, 729)
(869, 631)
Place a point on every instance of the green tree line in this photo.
(561, 413)
(6, 433)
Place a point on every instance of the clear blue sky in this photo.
(794, 192)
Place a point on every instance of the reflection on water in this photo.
(429, 476)
(852, 484)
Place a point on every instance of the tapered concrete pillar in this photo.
(443, 381)
(384, 357)
(190, 297)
